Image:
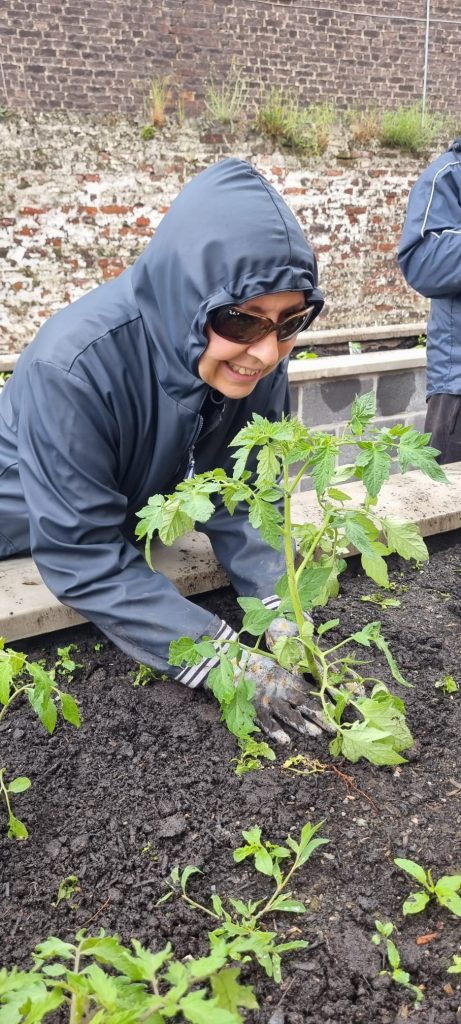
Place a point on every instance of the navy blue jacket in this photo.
(430, 260)
(104, 405)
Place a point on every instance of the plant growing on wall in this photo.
(379, 731)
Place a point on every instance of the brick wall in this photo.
(65, 54)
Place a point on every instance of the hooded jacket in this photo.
(430, 260)
(105, 405)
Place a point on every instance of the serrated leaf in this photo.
(361, 533)
(221, 681)
(376, 465)
(229, 993)
(362, 411)
(337, 495)
(70, 709)
(175, 522)
(415, 902)
(376, 568)
(239, 714)
(198, 1009)
(268, 467)
(387, 713)
(414, 451)
(362, 740)
(184, 650)
(257, 616)
(288, 651)
(19, 784)
(405, 539)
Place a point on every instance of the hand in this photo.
(282, 696)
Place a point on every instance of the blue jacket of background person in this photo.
(105, 404)
(430, 259)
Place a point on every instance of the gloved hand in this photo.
(282, 696)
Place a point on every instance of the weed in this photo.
(404, 128)
(225, 101)
(3, 378)
(306, 355)
(379, 732)
(147, 132)
(381, 936)
(379, 599)
(65, 664)
(99, 646)
(455, 967)
(304, 129)
(41, 692)
(143, 676)
(445, 890)
(16, 828)
(363, 124)
(421, 341)
(447, 684)
(67, 889)
(156, 101)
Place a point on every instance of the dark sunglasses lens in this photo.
(236, 326)
(294, 324)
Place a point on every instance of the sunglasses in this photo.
(243, 327)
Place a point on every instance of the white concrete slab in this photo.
(27, 607)
(350, 365)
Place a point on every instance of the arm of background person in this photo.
(68, 456)
(429, 253)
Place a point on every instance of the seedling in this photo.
(379, 732)
(143, 676)
(455, 967)
(381, 937)
(41, 691)
(239, 928)
(65, 664)
(381, 600)
(445, 890)
(447, 684)
(98, 978)
(16, 827)
(67, 889)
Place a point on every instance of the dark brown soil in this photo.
(147, 783)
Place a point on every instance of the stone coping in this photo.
(300, 370)
(373, 333)
(27, 608)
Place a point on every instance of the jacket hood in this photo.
(228, 237)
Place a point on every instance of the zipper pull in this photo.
(190, 472)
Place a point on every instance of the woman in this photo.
(125, 389)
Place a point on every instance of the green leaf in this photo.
(70, 709)
(405, 539)
(393, 954)
(198, 1009)
(48, 715)
(326, 626)
(323, 464)
(376, 568)
(198, 506)
(288, 651)
(184, 650)
(416, 902)
(376, 465)
(387, 713)
(103, 986)
(175, 522)
(263, 861)
(239, 714)
(338, 495)
(229, 993)
(362, 411)
(16, 829)
(455, 967)
(383, 646)
(6, 678)
(411, 867)
(221, 681)
(311, 585)
(19, 784)
(268, 467)
(204, 966)
(361, 532)
(415, 451)
(361, 740)
(448, 898)
(283, 902)
(257, 617)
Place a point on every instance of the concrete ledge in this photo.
(27, 608)
(374, 333)
(323, 367)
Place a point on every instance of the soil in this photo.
(147, 783)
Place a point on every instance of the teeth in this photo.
(243, 370)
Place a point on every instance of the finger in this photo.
(271, 728)
(315, 714)
(293, 717)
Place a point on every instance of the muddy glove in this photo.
(281, 696)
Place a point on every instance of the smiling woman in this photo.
(123, 391)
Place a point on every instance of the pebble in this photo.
(175, 825)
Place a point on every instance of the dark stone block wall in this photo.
(100, 56)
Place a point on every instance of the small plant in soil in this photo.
(67, 889)
(445, 890)
(20, 677)
(380, 599)
(274, 451)
(65, 665)
(239, 928)
(455, 967)
(447, 685)
(16, 827)
(381, 937)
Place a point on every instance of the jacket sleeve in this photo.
(253, 566)
(68, 457)
(430, 247)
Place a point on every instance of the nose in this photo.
(266, 350)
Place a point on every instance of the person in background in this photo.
(430, 259)
(127, 390)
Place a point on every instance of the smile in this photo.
(244, 371)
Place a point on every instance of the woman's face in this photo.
(235, 369)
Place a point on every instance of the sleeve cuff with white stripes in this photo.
(195, 675)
